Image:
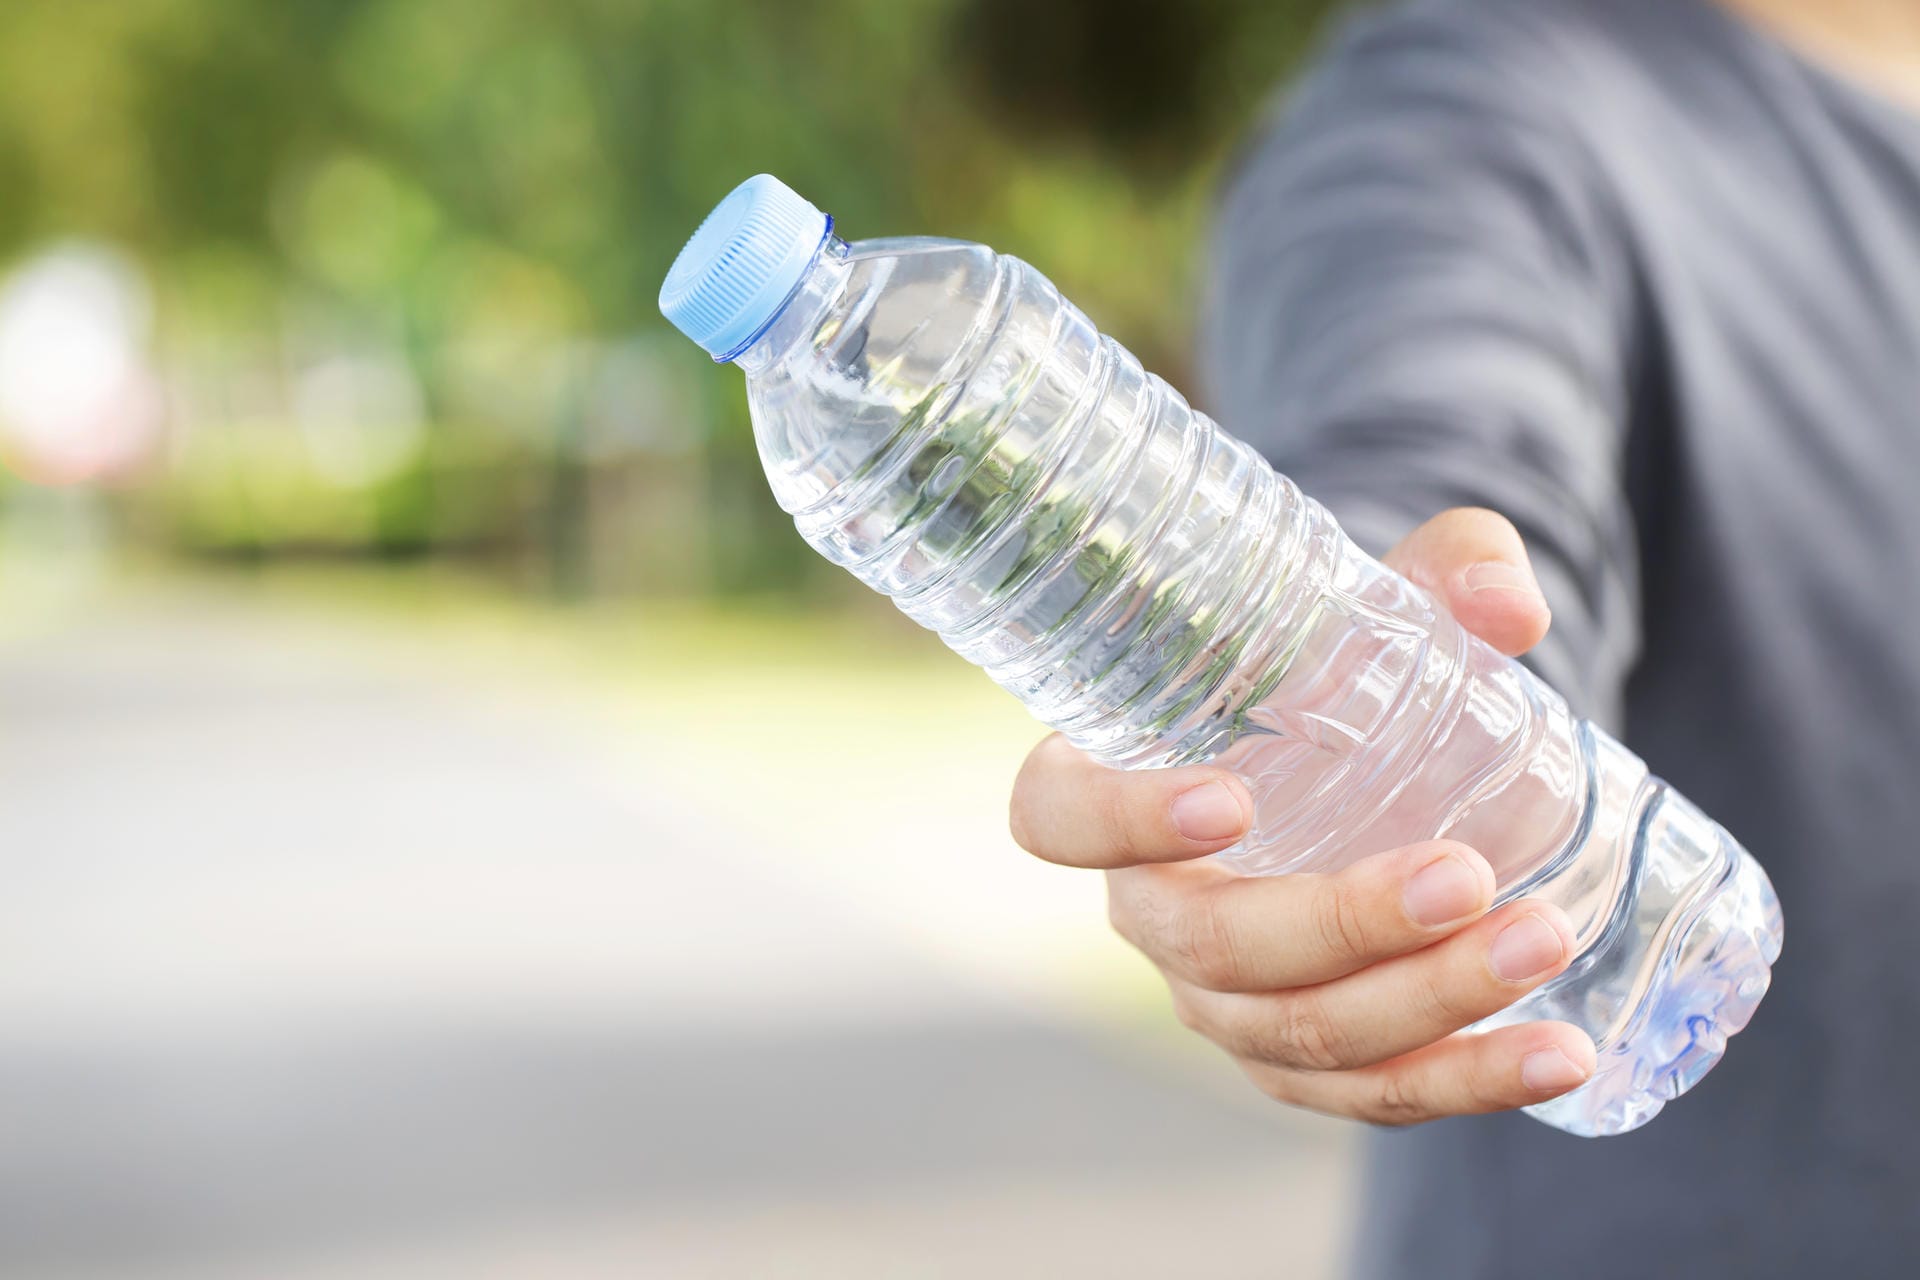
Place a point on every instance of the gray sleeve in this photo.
(1415, 303)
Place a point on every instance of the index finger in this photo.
(1070, 809)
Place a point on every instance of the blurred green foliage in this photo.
(467, 206)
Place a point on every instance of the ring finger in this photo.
(1392, 1007)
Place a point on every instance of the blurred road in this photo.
(330, 950)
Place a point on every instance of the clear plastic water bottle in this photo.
(944, 425)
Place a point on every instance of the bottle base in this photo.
(1711, 978)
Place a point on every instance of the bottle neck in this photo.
(803, 310)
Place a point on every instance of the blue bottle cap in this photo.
(734, 275)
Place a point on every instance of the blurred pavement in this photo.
(345, 948)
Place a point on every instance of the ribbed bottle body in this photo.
(944, 425)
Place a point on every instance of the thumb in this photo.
(1474, 561)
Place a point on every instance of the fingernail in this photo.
(1527, 946)
(1498, 575)
(1545, 1069)
(1208, 812)
(1445, 889)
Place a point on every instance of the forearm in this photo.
(1416, 303)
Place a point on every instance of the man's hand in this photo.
(1341, 992)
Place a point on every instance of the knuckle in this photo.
(1438, 998)
(1340, 923)
(1305, 1037)
(1396, 1104)
(1205, 944)
(1489, 1082)
(1114, 821)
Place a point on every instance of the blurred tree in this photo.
(1153, 85)
(489, 191)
